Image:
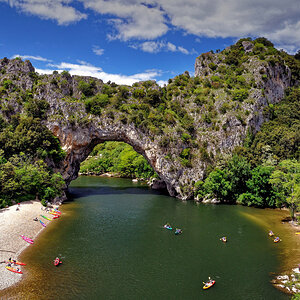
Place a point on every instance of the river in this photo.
(113, 246)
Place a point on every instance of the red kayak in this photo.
(16, 263)
(57, 262)
(14, 270)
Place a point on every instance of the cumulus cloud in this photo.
(58, 10)
(155, 47)
(149, 19)
(31, 57)
(85, 69)
(132, 18)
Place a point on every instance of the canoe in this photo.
(43, 224)
(209, 284)
(297, 232)
(277, 239)
(26, 239)
(13, 270)
(16, 263)
(271, 233)
(223, 239)
(46, 218)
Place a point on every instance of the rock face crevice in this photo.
(79, 132)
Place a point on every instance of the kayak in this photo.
(178, 231)
(277, 239)
(297, 232)
(54, 213)
(46, 218)
(43, 224)
(223, 239)
(16, 263)
(27, 239)
(271, 233)
(56, 217)
(168, 227)
(13, 270)
(209, 284)
(57, 262)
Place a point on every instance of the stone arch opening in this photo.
(119, 159)
(79, 143)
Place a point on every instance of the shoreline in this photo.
(13, 224)
(289, 280)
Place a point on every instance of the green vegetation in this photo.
(266, 171)
(117, 157)
(22, 178)
(187, 115)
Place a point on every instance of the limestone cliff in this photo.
(179, 129)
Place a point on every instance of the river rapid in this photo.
(113, 246)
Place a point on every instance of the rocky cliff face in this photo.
(219, 113)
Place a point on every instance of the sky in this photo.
(126, 41)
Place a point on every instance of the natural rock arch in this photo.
(79, 143)
(79, 131)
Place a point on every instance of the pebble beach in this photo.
(13, 224)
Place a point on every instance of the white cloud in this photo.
(159, 46)
(39, 58)
(98, 51)
(149, 19)
(85, 69)
(133, 18)
(58, 10)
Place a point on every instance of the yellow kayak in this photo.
(209, 284)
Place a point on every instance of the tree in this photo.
(260, 192)
(286, 181)
(239, 173)
(218, 184)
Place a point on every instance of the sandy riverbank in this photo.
(14, 223)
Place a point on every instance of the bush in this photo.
(93, 105)
(86, 88)
(240, 95)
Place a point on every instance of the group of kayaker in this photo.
(210, 282)
(276, 239)
(177, 230)
(9, 264)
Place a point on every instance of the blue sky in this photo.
(131, 40)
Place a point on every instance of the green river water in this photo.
(113, 246)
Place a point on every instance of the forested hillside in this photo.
(225, 133)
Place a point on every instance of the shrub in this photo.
(93, 105)
(86, 88)
(240, 95)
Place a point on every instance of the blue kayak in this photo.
(168, 227)
(43, 224)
